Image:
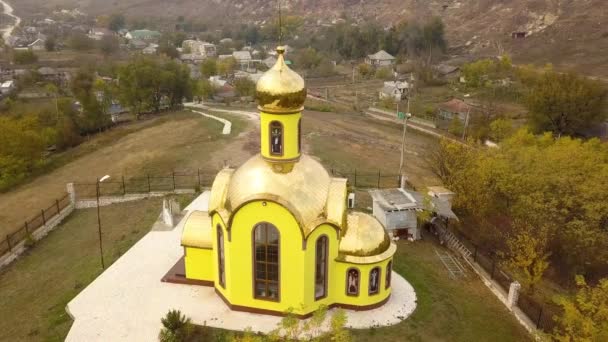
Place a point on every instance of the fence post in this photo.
(43, 218)
(198, 171)
(378, 178)
(475, 253)
(493, 268)
(8, 241)
(173, 174)
(355, 178)
(149, 189)
(540, 314)
(27, 229)
(57, 203)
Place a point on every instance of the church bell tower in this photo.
(281, 93)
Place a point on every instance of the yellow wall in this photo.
(296, 265)
(290, 134)
(198, 264)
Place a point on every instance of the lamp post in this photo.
(99, 181)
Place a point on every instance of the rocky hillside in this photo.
(567, 33)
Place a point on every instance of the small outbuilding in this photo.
(397, 209)
(380, 59)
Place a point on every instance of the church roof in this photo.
(307, 191)
(197, 230)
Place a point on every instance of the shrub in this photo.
(176, 327)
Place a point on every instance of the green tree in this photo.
(80, 42)
(365, 70)
(226, 66)
(565, 103)
(528, 253)
(209, 67)
(501, 129)
(116, 22)
(50, 43)
(244, 87)
(585, 316)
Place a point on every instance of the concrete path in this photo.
(253, 116)
(127, 301)
(8, 10)
(227, 124)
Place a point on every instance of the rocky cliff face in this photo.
(565, 32)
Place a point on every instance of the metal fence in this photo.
(146, 184)
(30, 226)
(540, 313)
(370, 180)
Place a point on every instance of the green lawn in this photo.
(36, 288)
(448, 310)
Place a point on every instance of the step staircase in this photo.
(451, 241)
(454, 267)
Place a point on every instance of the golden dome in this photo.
(364, 236)
(280, 89)
(304, 190)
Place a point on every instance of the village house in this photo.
(7, 87)
(197, 47)
(97, 33)
(454, 108)
(269, 61)
(138, 44)
(143, 35)
(151, 49)
(37, 45)
(396, 90)
(447, 71)
(192, 58)
(380, 59)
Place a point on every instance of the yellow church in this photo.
(278, 234)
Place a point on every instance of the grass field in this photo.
(35, 289)
(181, 141)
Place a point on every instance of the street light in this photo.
(404, 116)
(99, 180)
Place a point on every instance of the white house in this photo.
(396, 90)
(197, 47)
(37, 45)
(380, 59)
(7, 87)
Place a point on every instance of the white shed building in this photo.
(397, 210)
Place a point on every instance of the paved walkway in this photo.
(127, 301)
(8, 10)
(227, 124)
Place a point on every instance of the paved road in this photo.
(8, 10)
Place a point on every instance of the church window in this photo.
(266, 262)
(352, 282)
(220, 256)
(389, 270)
(299, 135)
(276, 138)
(321, 268)
(374, 280)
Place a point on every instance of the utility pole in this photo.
(466, 120)
(406, 116)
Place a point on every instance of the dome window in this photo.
(276, 138)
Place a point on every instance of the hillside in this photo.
(567, 33)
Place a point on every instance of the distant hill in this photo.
(567, 33)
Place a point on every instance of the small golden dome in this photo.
(364, 236)
(280, 89)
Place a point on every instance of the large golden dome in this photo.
(280, 89)
(303, 190)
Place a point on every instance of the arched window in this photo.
(299, 135)
(266, 262)
(352, 282)
(389, 271)
(321, 267)
(374, 281)
(276, 138)
(220, 257)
